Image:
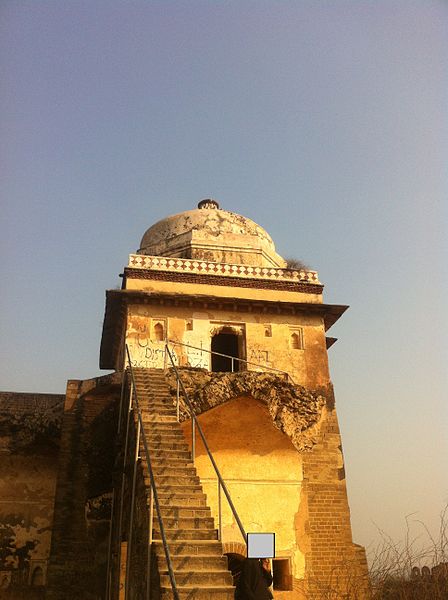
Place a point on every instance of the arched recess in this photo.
(234, 548)
(159, 333)
(236, 553)
(295, 341)
(37, 578)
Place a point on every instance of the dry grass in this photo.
(399, 571)
(410, 570)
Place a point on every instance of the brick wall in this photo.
(335, 566)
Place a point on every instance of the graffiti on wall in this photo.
(198, 357)
(259, 357)
(151, 355)
(145, 338)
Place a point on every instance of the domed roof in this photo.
(210, 233)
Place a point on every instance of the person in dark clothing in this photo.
(254, 580)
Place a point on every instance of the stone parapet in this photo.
(186, 265)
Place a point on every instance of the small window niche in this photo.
(189, 325)
(37, 578)
(158, 333)
(296, 339)
(267, 330)
(281, 574)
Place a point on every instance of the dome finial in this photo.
(208, 203)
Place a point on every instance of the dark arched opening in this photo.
(37, 578)
(225, 342)
(235, 565)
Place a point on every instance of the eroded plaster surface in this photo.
(29, 445)
(267, 341)
(209, 233)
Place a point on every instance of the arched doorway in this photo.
(37, 578)
(226, 341)
(235, 564)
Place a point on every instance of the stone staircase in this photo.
(199, 565)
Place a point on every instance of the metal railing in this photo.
(234, 358)
(195, 425)
(134, 405)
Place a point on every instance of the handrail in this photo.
(215, 466)
(153, 485)
(247, 362)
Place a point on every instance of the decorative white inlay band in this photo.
(186, 265)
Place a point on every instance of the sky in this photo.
(324, 122)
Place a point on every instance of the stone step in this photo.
(200, 569)
(197, 578)
(179, 490)
(159, 436)
(150, 390)
(159, 411)
(162, 462)
(163, 481)
(197, 563)
(181, 500)
(167, 454)
(164, 422)
(190, 534)
(169, 471)
(172, 450)
(181, 512)
(151, 384)
(163, 430)
(167, 445)
(159, 420)
(185, 523)
(154, 391)
(156, 387)
(171, 459)
(165, 410)
(149, 372)
(190, 592)
(158, 404)
(187, 548)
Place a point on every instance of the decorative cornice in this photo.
(266, 284)
(187, 265)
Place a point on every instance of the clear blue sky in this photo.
(325, 122)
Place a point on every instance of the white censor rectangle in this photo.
(261, 545)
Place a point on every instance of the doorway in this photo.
(225, 342)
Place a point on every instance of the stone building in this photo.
(247, 337)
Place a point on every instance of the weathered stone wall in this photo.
(294, 409)
(29, 446)
(279, 448)
(266, 340)
(79, 548)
